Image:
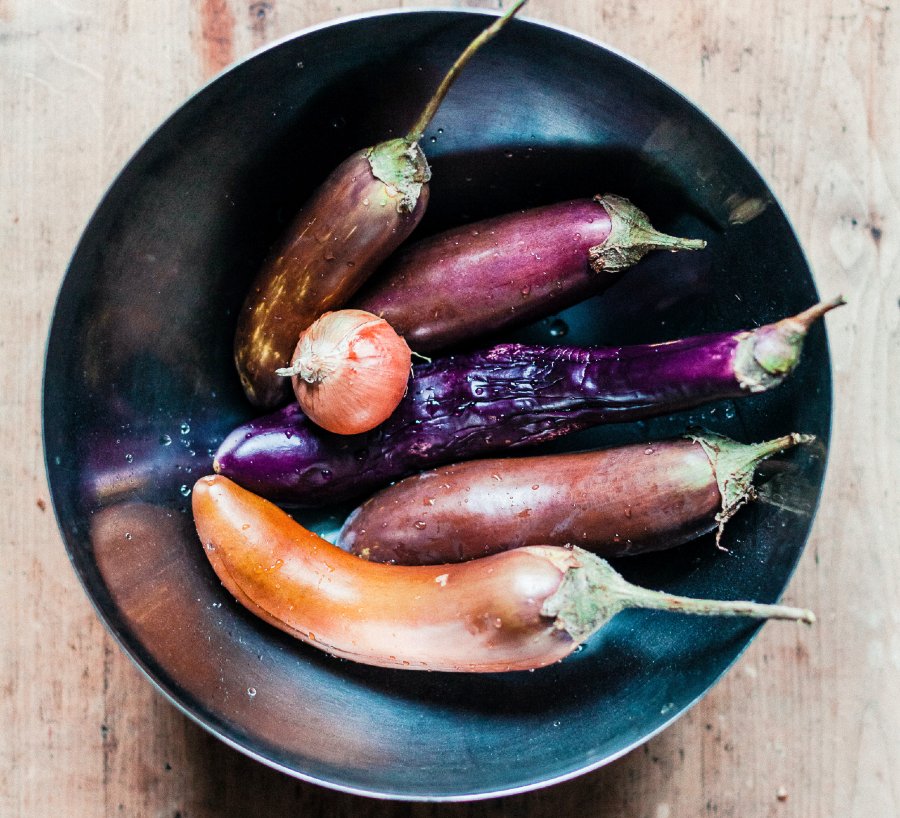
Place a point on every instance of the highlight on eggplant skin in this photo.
(510, 396)
(615, 502)
(516, 610)
(355, 219)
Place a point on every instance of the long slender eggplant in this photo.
(615, 502)
(359, 215)
(511, 269)
(510, 396)
(517, 610)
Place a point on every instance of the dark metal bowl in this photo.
(140, 388)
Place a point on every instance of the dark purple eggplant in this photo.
(359, 215)
(614, 502)
(511, 269)
(510, 396)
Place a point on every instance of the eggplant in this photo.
(359, 215)
(510, 270)
(519, 610)
(614, 503)
(510, 396)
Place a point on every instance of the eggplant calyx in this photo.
(592, 592)
(402, 166)
(766, 356)
(631, 237)
(734, 464)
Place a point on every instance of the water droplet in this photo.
(526, 290)
(578, 648)
(326, 474)
(165, 440)
(210, 546)
(251, 692)
(729, 413)
(57, 460)
(558, 328)
(648, 450)
(535, 487)
(557, 723)
(245, 526)
(185, 490)
(129, 458)
(440, 130)
(509, 154)
(628, 513)
(185, 428)
(496, 477)
(300, 64)
(127, 535)
(329, 255)
(419, 525)
(433, 139)
(428, 501)
(366, 202)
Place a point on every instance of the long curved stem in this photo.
(418, 130)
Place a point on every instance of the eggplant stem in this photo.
(766, 356)
(418, 130)
(733, 465)
(631, 237)
(645, 598)
(809, 316)
(592, 592)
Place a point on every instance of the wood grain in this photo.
(804, 726)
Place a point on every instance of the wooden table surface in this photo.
(806, 724)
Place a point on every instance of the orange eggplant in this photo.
(517, 610)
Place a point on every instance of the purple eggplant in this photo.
(510, 396)
(613, 502)
(511, 269)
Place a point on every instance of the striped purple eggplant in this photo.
(510, 270)
(510, 396)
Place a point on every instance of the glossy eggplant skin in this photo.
(617, 502)
(467, 406)
(495, 273)
(511, 269)
(350, 225)
(483, 616)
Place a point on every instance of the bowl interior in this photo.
(140, 388)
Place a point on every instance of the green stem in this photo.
(418, 130)
(631, 237)
(733, 465)
(592, 592)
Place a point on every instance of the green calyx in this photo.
(734, 464)
(631, 237)
(592, 592)
(403, 168)
(766, 356)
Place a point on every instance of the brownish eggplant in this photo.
(518, 610)
(616, 502)
(359, 215)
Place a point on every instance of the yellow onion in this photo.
(349, 371)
